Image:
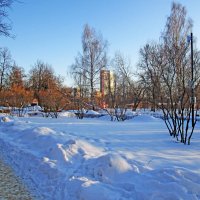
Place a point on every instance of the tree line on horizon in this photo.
(162, 79)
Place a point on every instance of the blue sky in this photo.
(50, 30)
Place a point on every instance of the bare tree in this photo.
(166, 71)
(137, 94)
(5, 66)
(178, 63)
(5, 25)
(124, 83)
(151, 72)
(93, 59)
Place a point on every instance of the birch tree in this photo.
(90, 62)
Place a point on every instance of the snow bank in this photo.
(109, 167)
(71, 153)
(92, 112)
(66, 114)
(5, 119)
(113, 178)
(145, 118)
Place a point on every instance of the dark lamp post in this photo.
(192, 79)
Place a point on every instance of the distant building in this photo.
(107, 82)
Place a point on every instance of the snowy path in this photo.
(10, 185)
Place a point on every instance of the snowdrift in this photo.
(145, 118)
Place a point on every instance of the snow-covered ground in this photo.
(96, 159)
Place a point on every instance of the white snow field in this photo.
(96, 159)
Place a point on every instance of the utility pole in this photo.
(192, 79)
